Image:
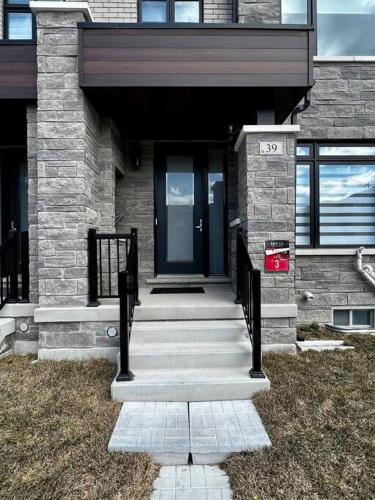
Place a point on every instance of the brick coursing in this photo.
(214, 11)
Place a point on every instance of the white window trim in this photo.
(353, 59)
(332, 251)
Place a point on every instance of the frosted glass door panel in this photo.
(180, 208)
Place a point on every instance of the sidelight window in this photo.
(170, 11)
(335, 195)
(18, 20)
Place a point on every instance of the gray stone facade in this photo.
(266, 204)
(135, 207)
(259, 11)
(342, 108)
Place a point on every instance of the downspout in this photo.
(366, 271)
(301, 108)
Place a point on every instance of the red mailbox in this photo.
(276, 256)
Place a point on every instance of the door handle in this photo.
(200, 227)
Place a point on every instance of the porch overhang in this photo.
(210, 75)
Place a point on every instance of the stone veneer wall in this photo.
(267, 203)
(259, 11)
(67, 158)
(343, 107)
(1, 18)
(135, 207)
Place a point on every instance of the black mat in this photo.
(186, 289)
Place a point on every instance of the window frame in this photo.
(9, 8)
(352, 326)
(170, 14)
(315, 160)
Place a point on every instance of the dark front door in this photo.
(190, 221)
(179, 211)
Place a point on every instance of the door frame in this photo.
(163, 148)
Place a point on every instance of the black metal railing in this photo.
(14, 268)
(108, 255)
(249, 296)
(128, 291)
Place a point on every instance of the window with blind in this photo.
(335, 195)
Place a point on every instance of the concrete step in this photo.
(190, 355)
(188, 280)
(199, 384)
(7, 326)
(189, 331)
(162, 312)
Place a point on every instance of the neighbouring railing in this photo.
(108, 254)
(128, 291)
(14, 268)
(249, 296)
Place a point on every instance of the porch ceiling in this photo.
(189, 113)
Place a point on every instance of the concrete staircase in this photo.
(192, 347)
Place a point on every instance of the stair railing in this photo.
(108, 254)
(129, 298)
(249, 296)
(14, 268)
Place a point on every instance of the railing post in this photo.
(134, 232)
(124, 374)
(92, 269)
(25, 275)
(239, 232)
(13, 267)
(256, 370)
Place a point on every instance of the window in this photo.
(353, 318)
(170, 11)
(294, 11)
(346, 27)
(18, 20)
(335, 195)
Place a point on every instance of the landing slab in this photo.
(160, 429)
(220, 428)
(195, 482)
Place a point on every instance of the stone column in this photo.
(267, 202)
(259, 11)
(67, 159)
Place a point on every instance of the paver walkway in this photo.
(210, 430)
(195, 482)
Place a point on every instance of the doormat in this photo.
(186, 289)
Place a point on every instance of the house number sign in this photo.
(271, 148)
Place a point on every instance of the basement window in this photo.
(353, 318)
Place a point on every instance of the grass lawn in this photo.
(320, 416)
(55, 423)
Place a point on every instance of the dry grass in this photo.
(55, 423)
(321, 420)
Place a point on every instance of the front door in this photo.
(179, 212)
(190, 209)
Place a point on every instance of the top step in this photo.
(216, 303)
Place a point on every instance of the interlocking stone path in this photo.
(195, 482)
(170, 431)
(218, 428)
(155, 428)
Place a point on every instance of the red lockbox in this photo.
(276, 256)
